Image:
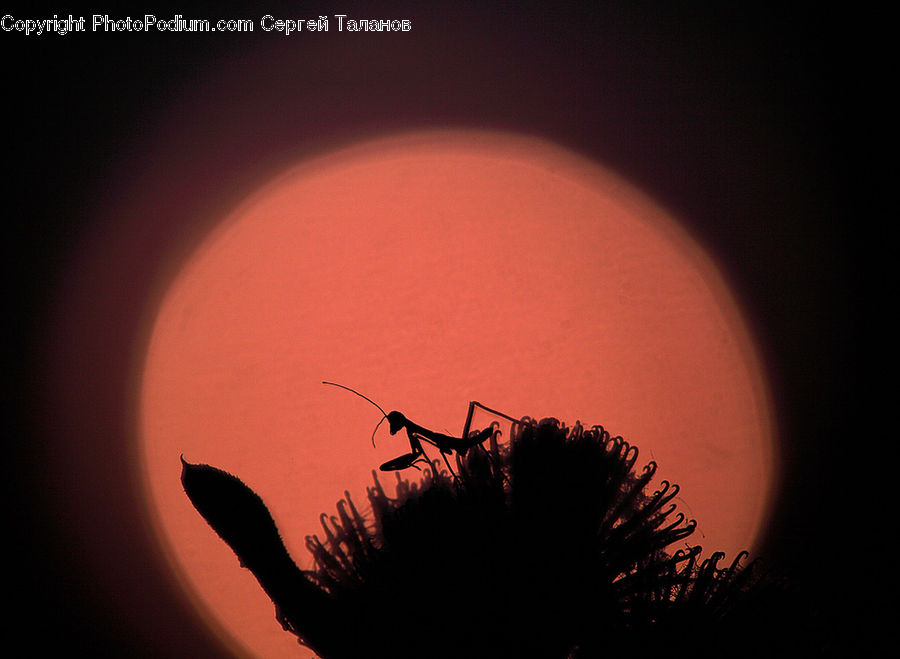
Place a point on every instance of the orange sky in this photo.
(427, 271)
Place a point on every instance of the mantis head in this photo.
(397, 422)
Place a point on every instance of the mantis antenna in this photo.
(383, 413)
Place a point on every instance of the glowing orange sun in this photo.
(427, 271)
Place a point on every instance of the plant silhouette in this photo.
(551, 546)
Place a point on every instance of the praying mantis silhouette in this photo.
(446, 444)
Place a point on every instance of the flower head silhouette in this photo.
(554, 545)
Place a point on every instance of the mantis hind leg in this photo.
(471, 412)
